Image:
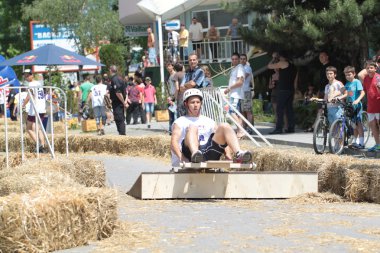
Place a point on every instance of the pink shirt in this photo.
(149, 92)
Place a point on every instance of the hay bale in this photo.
(316, 198)
(54, 219)
(15, 159)
(84, 171)
(270, 159)
(28, 182)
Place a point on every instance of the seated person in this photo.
(197, 138)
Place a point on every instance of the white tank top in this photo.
(39, 98)
(205, 129)
(97, 94)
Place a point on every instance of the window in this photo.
(218, 17)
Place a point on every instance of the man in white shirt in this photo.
(38, 97)
(173, 38)
(246, 106)
(196, 35)
(197, 138)
(96, 95)
(235, 89)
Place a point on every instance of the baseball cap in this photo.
(148, 78)
(27, 71)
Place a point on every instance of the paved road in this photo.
(231, 225)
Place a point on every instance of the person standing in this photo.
(85, 90)
(233, 31)
(117, 95)
(38, 98)
(247, 102)
(183, 43)
(235, 90)
(11, 103)
(213, 38)
(173, 38)
(96, 95)
(135, 99)
(150, 99)
(371, 81)
(285, 93)
(151, 48)
(196, 35)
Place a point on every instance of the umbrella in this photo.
(49, 55)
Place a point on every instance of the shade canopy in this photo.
(167, 9)
(49, 55)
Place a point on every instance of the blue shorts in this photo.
(358, 114)
(149, 107)
(235, 103)
(334, 113)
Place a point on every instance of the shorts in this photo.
(99, 111)
(357, 118)
(334, 113)
(211, 150)
(149, 107)
(373, 116)
(196, 44)
(235, 103)
(246, 105)
(33, 118)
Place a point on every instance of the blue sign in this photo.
(173, 24)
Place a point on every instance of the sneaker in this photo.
(99, 132)
(102, 132)
(243, 157)
(374, 148)
(357, 146)
(197, 157)
(148, 126)
(41, 149)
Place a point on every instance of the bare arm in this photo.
(362, 74)
(176, 135)
(357, 101)
(278, 65)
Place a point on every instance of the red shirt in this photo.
(149, 93)
(373, 93)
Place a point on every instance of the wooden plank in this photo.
(217, 164)
(234, 185)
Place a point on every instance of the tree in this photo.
(87, 21)
(14, 32)
(345, 28)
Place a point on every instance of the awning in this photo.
(167, 9)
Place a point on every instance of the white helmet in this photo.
(192, 92)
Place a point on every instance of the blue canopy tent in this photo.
(49, 55)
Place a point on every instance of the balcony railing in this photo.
(214, 51)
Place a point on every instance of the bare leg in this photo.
(148, 118)
(191, 139)
(224, 134)
(240, 122)
(375, 130)
(31, 127)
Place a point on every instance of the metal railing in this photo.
(213, 51)
(215, 105)
(33, 93)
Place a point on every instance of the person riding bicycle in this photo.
(354, 93)
(197, 138)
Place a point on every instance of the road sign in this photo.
(174, 24)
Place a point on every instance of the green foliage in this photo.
(343, 27)
(14, 33)
(113, 54)
(87, 21)
(305, 115)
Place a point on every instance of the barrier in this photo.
(33, 93)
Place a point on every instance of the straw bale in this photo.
(29, 182)
(84, 171)
(270, 159)
(15, 159)
(53, 219)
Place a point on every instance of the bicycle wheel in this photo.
(366, 128)
(336, 137)
(320, 136)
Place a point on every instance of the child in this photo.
(371, 81)
(354, 93)
(333, 89)
(208, 79)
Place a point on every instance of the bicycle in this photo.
(341, 130)
(366, 128)
(321, 129)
